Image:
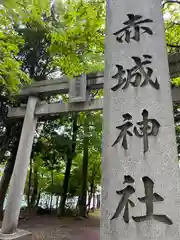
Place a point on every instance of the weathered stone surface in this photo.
(19, 235)
(17, 183)
(94, 80)
(61, 85)
(45, 109)
(58, 108)
(77, 89)
(156, 165)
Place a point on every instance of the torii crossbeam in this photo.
(64, 85)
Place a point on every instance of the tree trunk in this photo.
(90, 197)
(77, 205)
(65, 186)
(83, 197)
(89, 202)
(51, 199)
(7, 177)
(48, 202)
(52, 181)
(29, 184)
(38, 200)
(94, 200)
(68, 167)
(98, 201)
(35, 187)
(57, 202)
(91, 187)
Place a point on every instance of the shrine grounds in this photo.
(49, 227)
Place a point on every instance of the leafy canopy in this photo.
(71, 33)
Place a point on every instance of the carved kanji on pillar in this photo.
(147, 127)
(138, 75)
(124, 131)
(149, 200)
(125, 201)
(134, 28)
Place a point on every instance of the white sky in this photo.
(167, 16)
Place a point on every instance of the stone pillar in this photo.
(17, 183)
(140, 173)
(77, 89)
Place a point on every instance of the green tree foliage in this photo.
(172, 19)
(50, 154)
(44, 39)
(171, 10)
(81, 37)
(11, 75)
(69, 37)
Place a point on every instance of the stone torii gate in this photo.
(77, 89)
(64, 85)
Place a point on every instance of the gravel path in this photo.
(52, 228)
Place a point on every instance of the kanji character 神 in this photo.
(148, 127)
(124, 131)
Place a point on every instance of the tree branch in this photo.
(170, 1)
(173, 46)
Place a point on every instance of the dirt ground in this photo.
(51, 228)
